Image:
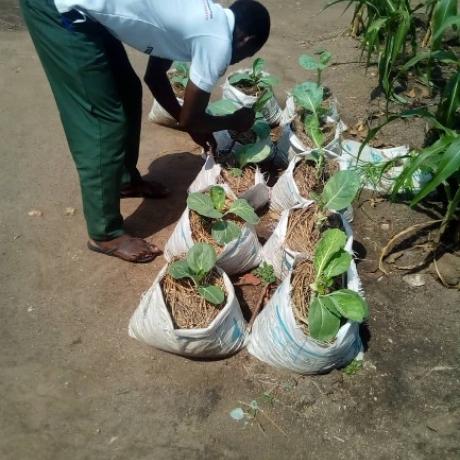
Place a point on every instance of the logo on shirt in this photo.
(148, 50)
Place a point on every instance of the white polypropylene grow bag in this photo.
(151, 323)
(277, 253)
(271, 110)
(371, 155)
(295, 145)
(278, 340)
(285, 193)
(238, 256)
(161, 116)
(257, 196)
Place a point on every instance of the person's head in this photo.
(252, 28)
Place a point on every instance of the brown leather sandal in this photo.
(124, 251)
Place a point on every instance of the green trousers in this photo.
(99, 98)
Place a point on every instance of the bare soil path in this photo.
(75, 386)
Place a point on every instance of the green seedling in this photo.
(354, 367)
(255, 77)
(265, 272)
(249, 153)
(338, 192)
(310, 63)
(212, 205)
(328, 308)
(309, 96)
(200, 261)
(181, 74)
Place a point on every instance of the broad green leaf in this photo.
(261, 128)
(201, 258)
(322, 324)
(225, 231)
(243, 209)
(221, 107)
(240, 77)
(338, 264)
(258, 66)
(308, 95)
(212, 294)
(217, 197)
(332, 241)
(449, 165)
(349, 304)
(264, 97)
(309, 62)
(203, 205)
(312, 128)
(340, 190)
(268, 80)
(180, 269)
(253, 153)
(325, 57)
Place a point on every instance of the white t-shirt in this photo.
(196, 31)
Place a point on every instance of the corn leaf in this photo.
(444, 16)
(449, 165)
(450, 102)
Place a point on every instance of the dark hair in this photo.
(252, 18)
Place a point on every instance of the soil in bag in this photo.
(307, 178)
(239, 183)
(187, 308)
(201, 229)
(249, 290)
(297, 125)
(305, 226)
(267, 223)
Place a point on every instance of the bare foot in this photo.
(127, 248)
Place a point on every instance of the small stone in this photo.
(449, 269)
(35, 213)
(415, 280)
(70, 211)
(385, 226)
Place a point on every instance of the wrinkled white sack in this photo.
(162, 117)
(277, 253)
(285, 155)
(257, 196)
(285, 193)
(278, 340)
(238, 256)
(151, 323)
(350, 150)
(271, 110)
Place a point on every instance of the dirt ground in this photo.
(75, 386)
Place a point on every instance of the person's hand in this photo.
(243, 119)
(205, 140)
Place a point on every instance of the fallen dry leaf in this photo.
(249, 280)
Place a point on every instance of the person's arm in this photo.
(192, 117)
(156, 78)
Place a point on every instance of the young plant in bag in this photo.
(328, 308)
(255, 79)
(338, 193)
(213, 206)
(199, 263)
